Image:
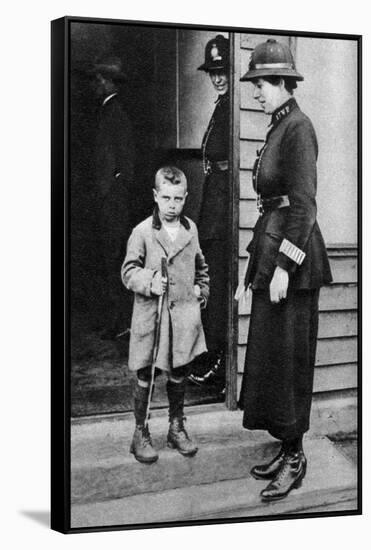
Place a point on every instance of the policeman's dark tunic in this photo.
(277, 384)
(213, 223)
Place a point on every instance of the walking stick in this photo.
(157, 338)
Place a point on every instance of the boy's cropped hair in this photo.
(170, 174)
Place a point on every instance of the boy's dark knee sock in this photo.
(175, 393)
(141, 396)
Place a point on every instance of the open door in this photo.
(169, 103)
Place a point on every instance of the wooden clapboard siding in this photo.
(248, 208)
(336, 297)
(337, 323)
(250, 41)
(342, 250)
(247, 99)
(346, 382)
(336, 360)
(244, 64)
(246, 188)
(344, 269)
(254, 125)
(334, 377)
(332, 324)
(246, 234)
(248, 213)
(342, 290)
(330, 351)
(248, 151)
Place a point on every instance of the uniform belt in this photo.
(271, 203)
(216, 166)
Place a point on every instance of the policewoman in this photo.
(213, 221)
(288, 264)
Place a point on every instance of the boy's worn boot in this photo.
(177, 437)
(141, 445)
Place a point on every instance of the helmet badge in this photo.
(215, 53)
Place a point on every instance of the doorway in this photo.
(169, 103)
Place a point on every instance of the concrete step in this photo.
(330, 484)
(103, 469)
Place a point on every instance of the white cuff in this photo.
(292, 252)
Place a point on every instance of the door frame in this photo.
(234, 186)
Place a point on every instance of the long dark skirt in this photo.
(276, 393)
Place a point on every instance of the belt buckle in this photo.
(207, 167)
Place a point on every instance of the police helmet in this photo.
(271, 58)
(216, 54)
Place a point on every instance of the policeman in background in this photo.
(213, 221)
(113, 177)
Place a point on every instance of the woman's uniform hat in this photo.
(271, 59)
(216, 54)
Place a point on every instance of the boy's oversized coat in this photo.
(182, 336)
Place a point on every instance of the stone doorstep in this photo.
(103, 468)
(330, 415)
(331, 480)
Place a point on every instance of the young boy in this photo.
(166, 234)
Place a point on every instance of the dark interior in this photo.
(100, 380)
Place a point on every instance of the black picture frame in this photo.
(62, 277)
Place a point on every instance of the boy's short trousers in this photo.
(144, 374)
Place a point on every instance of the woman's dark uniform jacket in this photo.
(287, 166)
(278, 377)
(213, 222)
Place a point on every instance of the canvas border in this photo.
(60, 274)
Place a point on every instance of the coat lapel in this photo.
(164, 239)
(183, 238)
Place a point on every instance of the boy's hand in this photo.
(200, 298)
(158, 284)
